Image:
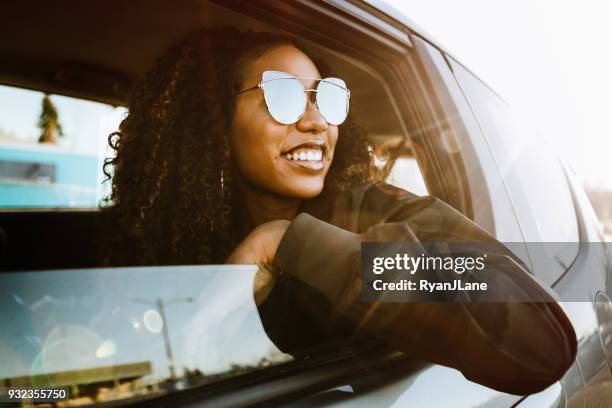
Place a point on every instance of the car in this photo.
(190, 335)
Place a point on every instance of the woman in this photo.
(229, 155)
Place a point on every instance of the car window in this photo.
(130, 333)
(52, 148)
(534, 176)
(395, 159)
(407, 174)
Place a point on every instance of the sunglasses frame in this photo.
(261, 85)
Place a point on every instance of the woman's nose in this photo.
(312, 120)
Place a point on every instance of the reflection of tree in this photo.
(48, 122)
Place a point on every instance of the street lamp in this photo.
(160, 305)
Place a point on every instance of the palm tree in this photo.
(48, 122)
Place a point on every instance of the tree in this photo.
(48, 122)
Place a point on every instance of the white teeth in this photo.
(306, 155)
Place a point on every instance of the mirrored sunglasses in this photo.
(286, 98)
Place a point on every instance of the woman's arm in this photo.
(515, 347)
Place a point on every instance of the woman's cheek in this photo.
(260, 159)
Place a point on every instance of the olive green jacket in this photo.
(516, 347)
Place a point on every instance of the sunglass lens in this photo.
(284, 97)
(332, 100)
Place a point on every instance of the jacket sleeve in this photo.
(514, 347)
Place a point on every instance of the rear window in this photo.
(52, 148)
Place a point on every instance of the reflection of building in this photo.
(94, 384)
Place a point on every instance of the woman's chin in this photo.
(304, 189)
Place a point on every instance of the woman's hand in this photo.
(259, 247)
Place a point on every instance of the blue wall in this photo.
(76, 177)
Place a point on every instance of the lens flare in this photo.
(106, 349)
(66, 347)
(153, 321)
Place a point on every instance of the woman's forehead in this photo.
(285, 58)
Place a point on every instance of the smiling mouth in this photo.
(308, 156)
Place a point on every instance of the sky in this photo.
(550, 59)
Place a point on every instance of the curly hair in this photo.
(173, 199)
